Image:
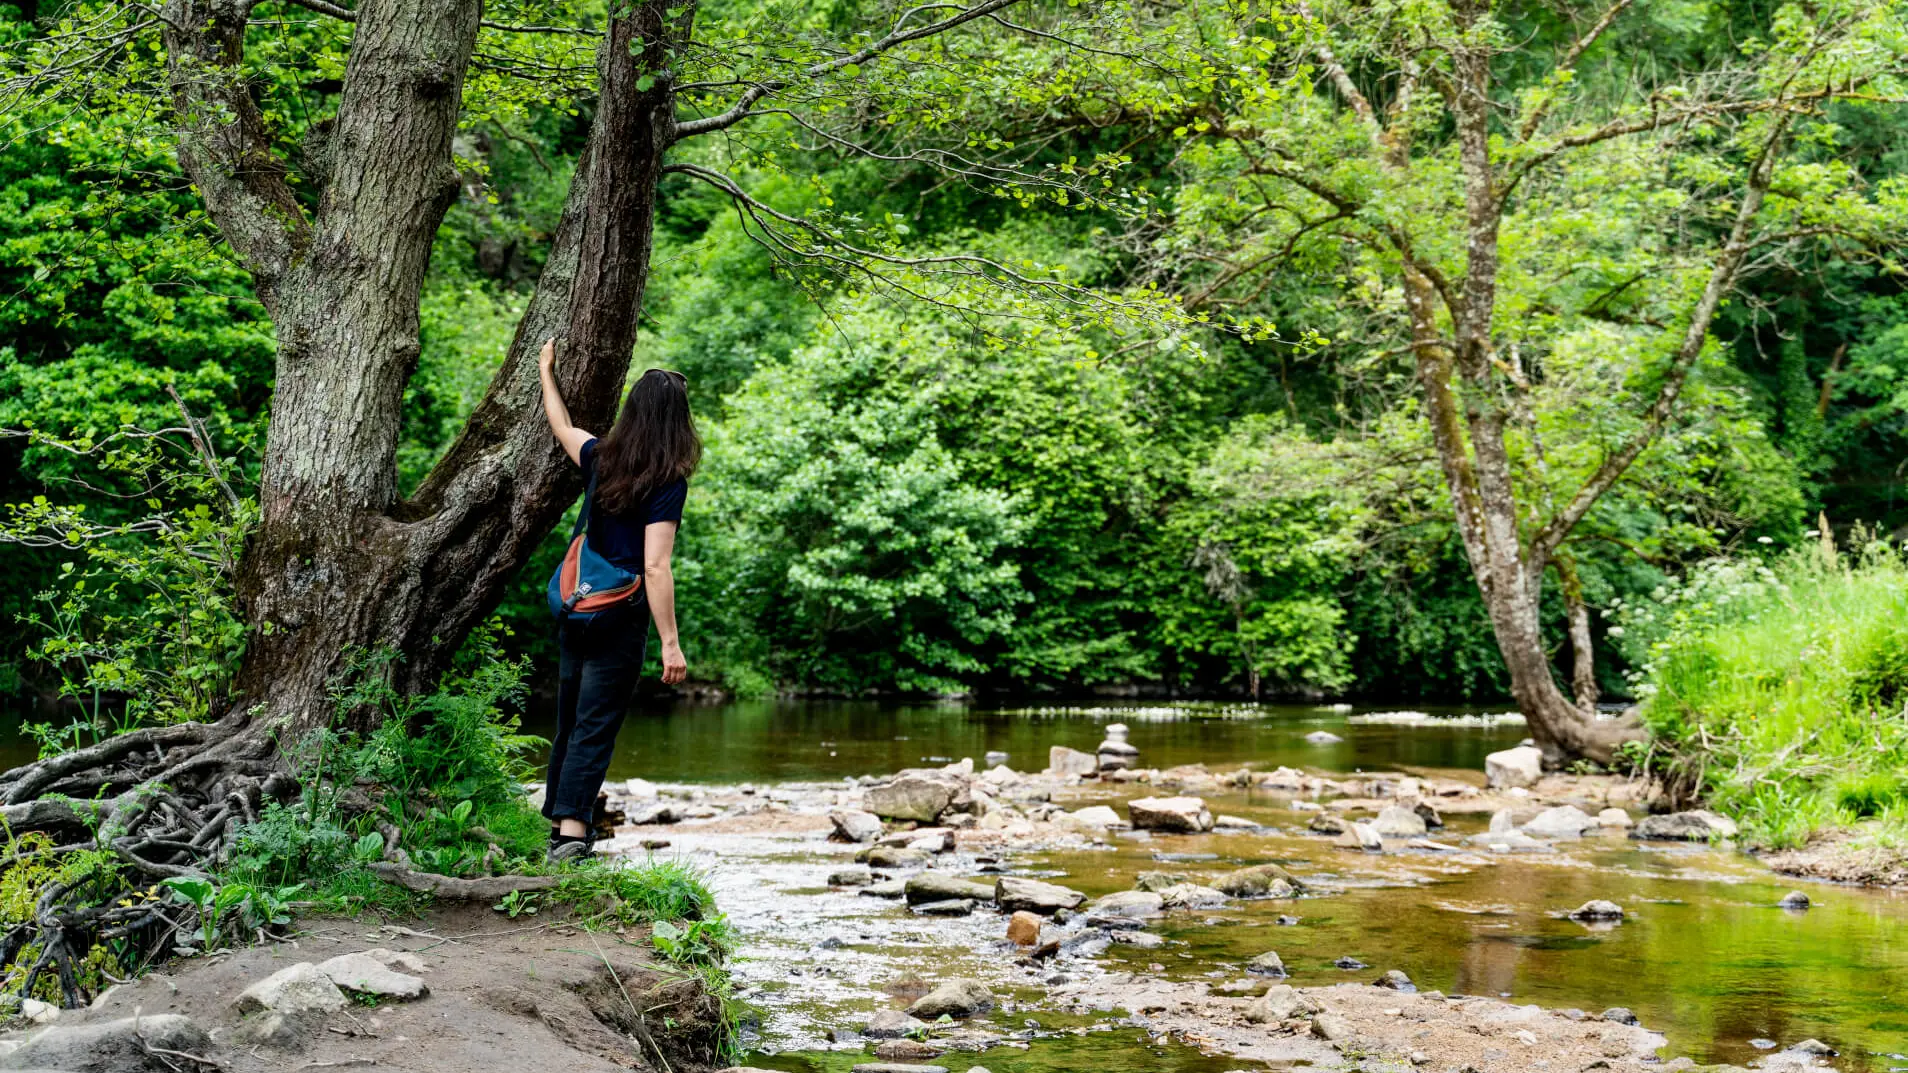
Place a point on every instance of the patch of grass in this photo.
(1779, 694)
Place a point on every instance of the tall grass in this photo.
(1779, 693)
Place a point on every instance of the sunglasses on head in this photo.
(680, 379)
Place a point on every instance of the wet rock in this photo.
(918, 794)
(1285, 921)
(930, 887)
(953, 907)
(1014, 894)
(1322, 737)
(1428, 814)
(1158, 881)
(641, 789)
(898, 857)
(1129, 903)
(1510, 842)
(1233, 823)
(1619, 1015)
(892, 1024)
(851, 877)
(366, 975)
(1361, 836)
(1394, 980)
(1814, 1048)
(295, 989)
(1613, 817)
(1349, 962)
(1023, 929)
(1258, 881)
(1115, 753)
(1064, 761)
(1281, 1002)
(1597, 909)
(1696, 825)
(895, 1067)
(1395, 822)
(1191, 896)
(955, 998)
(995, 758)
(1330, 1026)
(1267, 964)
(1521, 766)
(1327, 824)
(653, 814)
(1795, 899)
(1186, 815)
(905, 1050)
(891, 888)
(1092, 818)
(121, 1046)
(1564, 821)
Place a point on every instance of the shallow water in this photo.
(1704, 956)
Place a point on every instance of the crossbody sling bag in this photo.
(586, 584)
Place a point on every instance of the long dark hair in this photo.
(654, 442)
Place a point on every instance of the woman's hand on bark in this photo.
(675, 668)
(546, 358)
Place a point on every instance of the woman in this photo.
(641, 473)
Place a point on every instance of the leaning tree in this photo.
(1543, 228)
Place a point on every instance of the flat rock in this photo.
(1326, 824)
(1281, 1002)
(891, 1024)
(940, 887)
(1267, 964)
(1233, 823)
(917, 794)
(854, 825)
(1258, 881)
(294, 989)
(952, 907)
(851, 877)
(1361, 836)
(1191, 896)
(890, 888)
(1597, 909)
(1092, 818)
(1129, 903)
(1158, 881)
(367, 975)
(1184, 815)
(1064, 761)
(1613, 817)
(1014, 894)
(1396, 822)
(898, 857)
(1521, 766)
(120, 1046)
(955, 998)
(1696, 825)
(906, 1050)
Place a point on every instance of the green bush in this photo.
(1775, 692)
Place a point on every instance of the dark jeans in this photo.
(602, 660)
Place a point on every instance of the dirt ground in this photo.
(519, 995)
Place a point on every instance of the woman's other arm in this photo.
(659, 543)
(571, 437)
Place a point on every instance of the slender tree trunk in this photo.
(1583, 660)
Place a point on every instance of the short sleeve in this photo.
(586, 455)
(666, 504)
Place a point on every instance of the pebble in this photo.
(1795, 899)
(1597, 909)
(1349, 962)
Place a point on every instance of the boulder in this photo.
(898, 857)
(1281, 1002)
(1597, 909)
(294, 989)
(1564, 821)
(1395, 822)
(952, 907)
(850, 877)
(1330, 1026)
(1129, 904)
(1014, 894)
(1191, 896)
(1064, 761)
(1361, 836)
(1613, 817)
(955, 998)
(1521, 766)
(1267, 964)
(940, 887)
(1327, 824)
(1258, 881)
(1184, 815)
(918, 794)
(1322, 737)
(1394, 980)
(1696, 825)
(1092, 818)
(1158, 881)
(892, 1024)
(1795, 899)
(1023, 929)
(121, 1046)
(854, 825)
(366, 975)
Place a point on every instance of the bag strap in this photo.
(589, 499)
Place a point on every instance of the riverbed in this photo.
(1704, 956)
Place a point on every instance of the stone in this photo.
(1064, 761)
(1281, 1002)
(955, 998)
(367, 976)
(281, 1031)
(851, 877)
(294, 989)
(895, 1067)
(641, 789)
(1696, 825)
(905, 1050)
(1795, 899)
(38, 1012)
(1223, 822)
(1510, 842)
(1013, 894)
(1093, 817)
(1183, 815)
(1267, 964)
(1349, 962)
(892, 1024)
(1394, 980)
(1613, 817)
(952, 907)
(1395, 822)
(1158, 881)
(1327, 824)
(1564, 821)
(1812, 1047)
(1521, 766)
(1427, 813)
(1191, 896)
(1330, 1026)
(891, 888)
(940, 887)
(120, 1046)
(1258, 881)
(1129, 904)
(1619, 1015)
(1115, 753)
(1597, 909)
(1361, 836)
(1023, 929)
(1322, 737)
(1502, 821)
(917, 794)
(854, 825)
(898, 857)
(994, 758)
(653, 814)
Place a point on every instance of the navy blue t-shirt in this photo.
(619, 537)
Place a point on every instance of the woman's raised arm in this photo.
(571, 437)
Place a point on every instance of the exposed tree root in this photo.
(452, 887)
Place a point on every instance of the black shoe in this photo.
(568, 848)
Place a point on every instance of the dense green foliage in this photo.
(1779, 692)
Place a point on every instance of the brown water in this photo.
(1704, 955)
